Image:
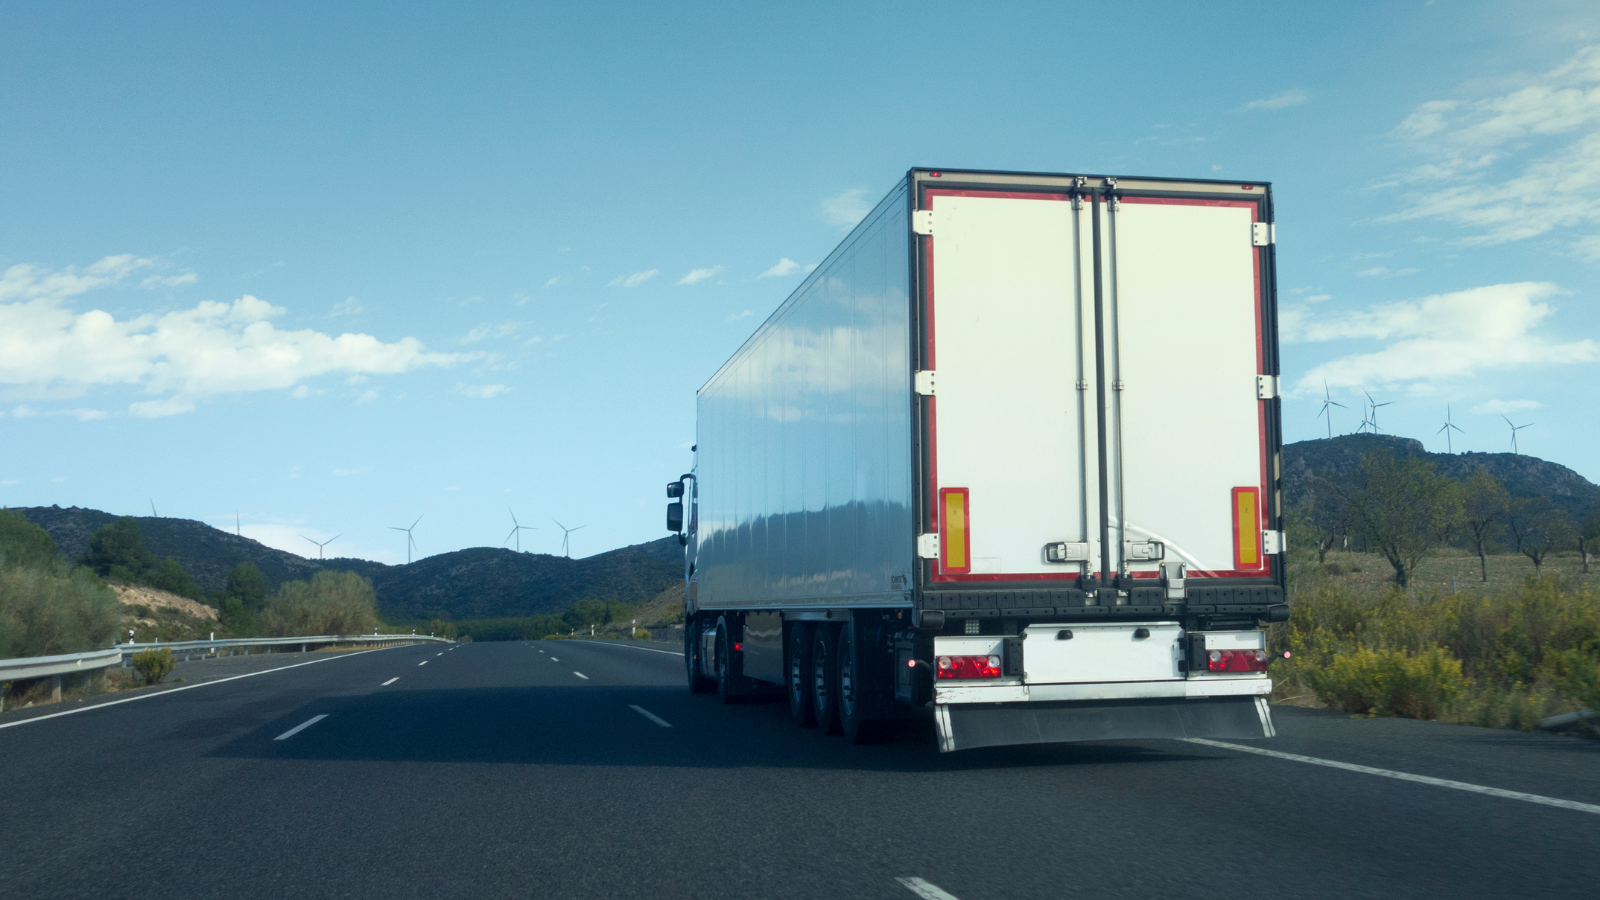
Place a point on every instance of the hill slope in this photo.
(1523, 476)
(479, 582)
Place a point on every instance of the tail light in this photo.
(969, 666)
(1237, 660)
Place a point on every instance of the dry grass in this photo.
(1368, 573)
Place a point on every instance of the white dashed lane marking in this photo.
(301, 727)
(581, 675)
(650, 715)
(390, 681)
(926, 890)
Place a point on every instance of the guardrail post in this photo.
(302, 648)
(55, 688)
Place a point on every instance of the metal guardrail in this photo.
(54, 667)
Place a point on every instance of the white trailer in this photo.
(1008, 457)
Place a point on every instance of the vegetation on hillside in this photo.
(117, 553)
(46, 606)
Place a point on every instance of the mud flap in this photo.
(963, 727)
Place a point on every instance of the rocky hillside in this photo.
(1523, 476)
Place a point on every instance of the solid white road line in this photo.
(925, 890)
(650, 715)
(187, 687)
(301, 727)
(581, 675)
(632, 647)
(390, 681)
(1406, 776)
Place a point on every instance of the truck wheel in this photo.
(825, 678)
(698, 683)
(855, 687)
(725, 688)
(801, 634)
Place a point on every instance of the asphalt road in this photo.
(533, 770)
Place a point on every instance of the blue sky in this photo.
(332, 269)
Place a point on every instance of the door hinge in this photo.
(922, 221)
(1272, 542)
(1067, 552)
(1263, 233)
(924, 383)
(928, 546)
(1134, 551)
(1267, 387)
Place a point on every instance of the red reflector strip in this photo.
(1237, 660)
(968, 666)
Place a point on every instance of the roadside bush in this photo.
(53, 610)
(154, 665)
(640, 634)
(330, 603)
(1391, 682)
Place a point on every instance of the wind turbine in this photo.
(1447, 428)
(1374, 413)
(321, 544)
(566, 533)
(1327, 402)
(517, 528)
(1514, 430)
(411, 542)
(153, 513)
(238, 530)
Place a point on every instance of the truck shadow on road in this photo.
(597, 726)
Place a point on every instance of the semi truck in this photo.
(1009, 459)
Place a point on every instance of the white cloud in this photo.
(1588, 247)
(1383, 272)
(367, 396)
(481, 391)
(784, 266)
(504, 329)
(635, 279)
(346, 307)
(1501, 407)
(740, 315)
(155, 281)
(1283, 100)
(847, 208)
(698, 275)
(1438, 338)
(178, 357)
(1511, 166)
(553, 282)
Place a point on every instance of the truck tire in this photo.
(801, 634)
(856, 686)
(726, 691)
(698, 684)
(825, 678)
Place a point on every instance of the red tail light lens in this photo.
(1237, 660)
(969, 667)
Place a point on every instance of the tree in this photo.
(1484, 502)
(248, 585)
(171, 577)
(117, 552)
(1403, 507)
(1539, 528)
(330, 603)
(1588, 532)
(24, 544)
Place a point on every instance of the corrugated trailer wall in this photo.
(805, 438)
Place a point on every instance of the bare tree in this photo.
(1403, 507)
(1484, 502)
(1588, 532)
(1325, 517)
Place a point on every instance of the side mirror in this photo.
(675, 516)
(675, 489)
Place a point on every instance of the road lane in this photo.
(493, 775)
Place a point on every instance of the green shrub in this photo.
(24, 544)
(330, 603)
(640, 634)
(154, 665)
(1391, 682)
(54, 610)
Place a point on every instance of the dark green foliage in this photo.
(237, 621)
(584, 613)
(330, 603)
(523, 628)
(171, 577)
(247, 584)
(24, 544)
(117, 552)
(1484, 504)
(1538, 527)
(1403, 508)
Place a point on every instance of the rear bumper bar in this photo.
(967, 726)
